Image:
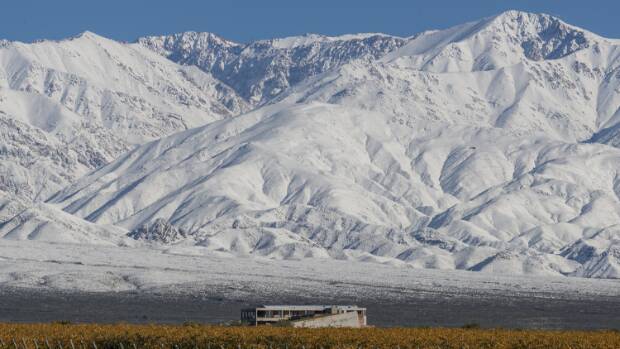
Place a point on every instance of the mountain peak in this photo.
(262, 69)
(494, 42)
(306, 39)
(518, 14)
(204, 37)
(186, 40)
(87, 34)
(541, 36)
(529, 20)
(532, 23)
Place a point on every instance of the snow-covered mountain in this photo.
(489, 147)
(261, 70)
(72, 106)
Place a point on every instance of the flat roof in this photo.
(304, 307)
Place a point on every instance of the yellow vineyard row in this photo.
(126, 336)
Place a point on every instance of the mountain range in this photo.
(490, 146)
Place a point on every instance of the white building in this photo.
(306, 315)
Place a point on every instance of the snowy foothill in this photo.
(177, 270)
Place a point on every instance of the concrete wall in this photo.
(338, 320)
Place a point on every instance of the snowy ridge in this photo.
(20, 220)
(261, 70)
(495, 42)
(71, 106)
(476, 148)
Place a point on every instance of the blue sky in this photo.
(245, 20)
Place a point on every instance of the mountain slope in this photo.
(23, 220)
(476, 148)
(350, 187)
(69, 107)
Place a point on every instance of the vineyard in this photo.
(193, 336)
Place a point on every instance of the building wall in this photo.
(351, 319)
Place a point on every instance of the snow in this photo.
(22, 220)
(357, 194)
(261, 70)
(71, 106)
(48, 266)
(494, 42)
(310, 39)
(486, 147)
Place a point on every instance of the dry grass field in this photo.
(125, 336)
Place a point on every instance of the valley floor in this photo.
(45, 282)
